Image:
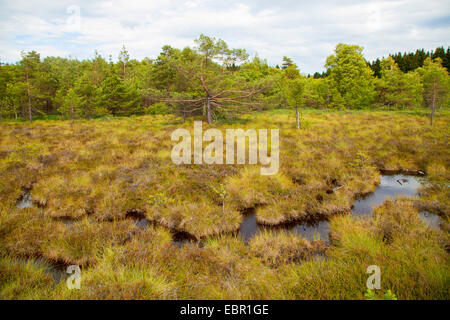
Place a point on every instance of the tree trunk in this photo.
(433, 104)
(297, 116)
(208, 110)
(29, 98)
(71, 111)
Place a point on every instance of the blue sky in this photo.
(306, 31)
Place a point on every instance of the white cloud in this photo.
(304, 31)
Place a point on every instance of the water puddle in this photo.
(135, 214)
(311, 231)
(249, 226)
(58, 273)
(25, 200)
(431, 220)
(390, 186)
(141, 223)
(181, 238)
(67, 222)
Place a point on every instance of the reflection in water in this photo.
(141, 223)
(249, 227)
(57, 272)
(310, 231)
(316, 231)
(390, 186)
(430, 219)
(25, 201)
(181, 238)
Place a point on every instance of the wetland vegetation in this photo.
(87, 178)
(91, 182)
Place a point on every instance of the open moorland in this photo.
(104, 194)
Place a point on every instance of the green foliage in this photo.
(23, 155)
(397, 89)
(185, 78)
(296, 92)
(71, 105)
(389, 296)
(158, 108)
(220, 190)
(372, 295)
(412, 60)
(436, 82)
(287, 62)
(351, 80)
(118, 97)
(124, 58)
(159, 199)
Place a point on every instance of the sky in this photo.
(305, 31)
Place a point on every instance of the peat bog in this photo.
(391, 186)
(106, 197)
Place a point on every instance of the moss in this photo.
(92, 173)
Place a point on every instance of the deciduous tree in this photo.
(350, 76)
(435, 83)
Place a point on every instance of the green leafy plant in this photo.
(158, 108)
(389, 296)
(371, 295)
(221, 191)
(159, 199)
(360, 161)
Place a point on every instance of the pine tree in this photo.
(30, 64)
(71, 105)
(436, 84)
(124, 58)
(398, 89)
(116, 97)
(287, 62)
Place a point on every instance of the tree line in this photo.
(410, 61)
(216, 81)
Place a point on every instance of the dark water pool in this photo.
(431, 220)
(179, 238)
(311, 231)
(390, 186)
(57, 272)
(141, 223)
(249, 227)
(25, 201)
